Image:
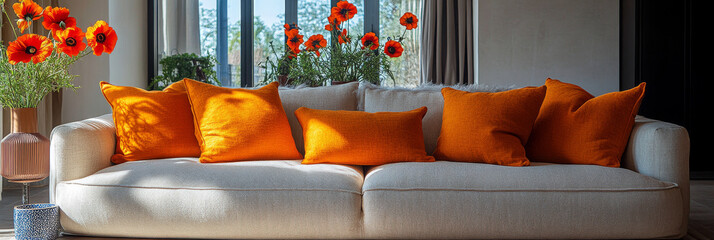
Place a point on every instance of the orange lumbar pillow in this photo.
(240, 124)
(151, 124)
(362, 138)
(488, 127)
(575, 127)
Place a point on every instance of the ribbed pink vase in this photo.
(25, 152)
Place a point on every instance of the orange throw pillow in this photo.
(236, 124)
(362, 138)
(151, 124)
(575, 127)
(488, 127)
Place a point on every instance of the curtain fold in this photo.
(178, 27)
(447, 42)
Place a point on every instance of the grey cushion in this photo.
(182, 198)
(467, 200)
(337, 97)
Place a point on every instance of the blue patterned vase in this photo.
(36, 221)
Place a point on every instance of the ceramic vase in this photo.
(25, 152)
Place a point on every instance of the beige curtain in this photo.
(178, 27)
(447, 42)
(49, 111)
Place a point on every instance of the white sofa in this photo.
(181, 198)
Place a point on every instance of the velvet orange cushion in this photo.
(362, 138)
(488, 127)
(236, 124)
(151, 124)
(575, 127)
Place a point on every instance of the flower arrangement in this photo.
(34, 65)
(315, 62)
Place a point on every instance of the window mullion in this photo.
(291, 11)
(224, 74)
(291, 14)
(246, 44)
(371, 16)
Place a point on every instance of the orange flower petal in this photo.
(29, 47)
(70, 41)
(370, 40)
(344, 11)
(393, 48)
(101, 38)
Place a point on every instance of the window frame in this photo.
(371, 24)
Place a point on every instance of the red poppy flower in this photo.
(29, 47)
(101, 38)
(409, 20)
(393, 48)
(26, 11)
(294, 38)
(333, 20)
(315, 42)
(371, 41)
(343, 38)
(57, 18)
(289, 27)
(344, 11)
(70, 41)
(334, 24)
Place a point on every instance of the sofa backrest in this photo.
(385, 99)
(338, 97)
(371, 98)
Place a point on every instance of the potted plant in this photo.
(277, 68)
(186, 65)
(349, 59)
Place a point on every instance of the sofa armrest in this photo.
(661, 150)
(79, 149)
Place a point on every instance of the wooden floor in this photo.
(701, 216)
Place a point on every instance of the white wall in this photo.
(127, 65)
(523, 42)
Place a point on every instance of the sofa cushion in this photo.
(234, 124)
(362, 138)
(394, 99)
(471, 200)
(146, 120)
(488, 127)
(337, 97)
(180, 197)
(573, 126)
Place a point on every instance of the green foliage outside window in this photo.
(185, 65)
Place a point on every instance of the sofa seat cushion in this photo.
(472, 200)
(180, 197)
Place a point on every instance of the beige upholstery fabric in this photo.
(283, 199)
(469, 200)
(661, 150)
(338, 97)
(385, 99)
(182, 198)
(81, 148)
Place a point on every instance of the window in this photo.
(228, 69)
(267, 30)
(222, 23)
(406, 66)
